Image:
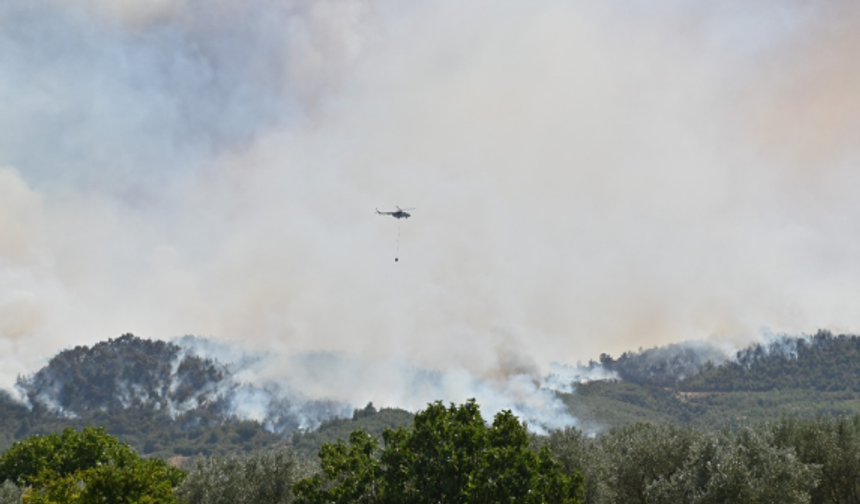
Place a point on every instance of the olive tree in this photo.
(724, 468)
(629, 459)
(263, 477)
(10, 493)
(833, 444)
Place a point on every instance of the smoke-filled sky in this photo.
(588, 176)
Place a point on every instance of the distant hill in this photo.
(789, 376)
(665, 366)
(822, 362)
(128, 372)
(154, 395)
(166, 401)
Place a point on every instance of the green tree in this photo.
(833, 445)
(263, 477)
(87, 467)
(10, 493)
(578, 452)
(449, 455)
(744, 467)
(633, 457)
(350, 473)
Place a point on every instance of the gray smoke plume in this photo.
(338, 380)
(588, 178)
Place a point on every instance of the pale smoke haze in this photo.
(588, 178)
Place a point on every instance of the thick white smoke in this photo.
(588, 178)
(291, 398)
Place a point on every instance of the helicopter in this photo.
(401, 213)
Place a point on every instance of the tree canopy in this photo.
(87, 467)
(449, 455)
(262, 477)
(822, 362)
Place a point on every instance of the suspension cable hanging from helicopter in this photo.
(401, 213)
(397, 250)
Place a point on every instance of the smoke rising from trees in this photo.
(588, 179)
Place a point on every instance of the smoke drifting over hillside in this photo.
(194, 377)
(589, 178)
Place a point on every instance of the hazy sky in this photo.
(588, 176)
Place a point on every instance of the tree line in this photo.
(451, 454)
(682, 383)
(788, 461)
(824, 362)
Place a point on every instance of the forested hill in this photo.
(664, 366)
(168, 378)
(695, 383)
(165, 400)
(127, 372)
(822, 362)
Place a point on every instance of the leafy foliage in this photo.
(10, 493)
(740, 467)
(150, 432)
(350, 473)
(263, 477)
(369, 419)
(833, 444)
(449, 455)
(642, 453)
(87, 466)
(599, 405)
(666, 464)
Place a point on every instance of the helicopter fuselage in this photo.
(399, 214)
